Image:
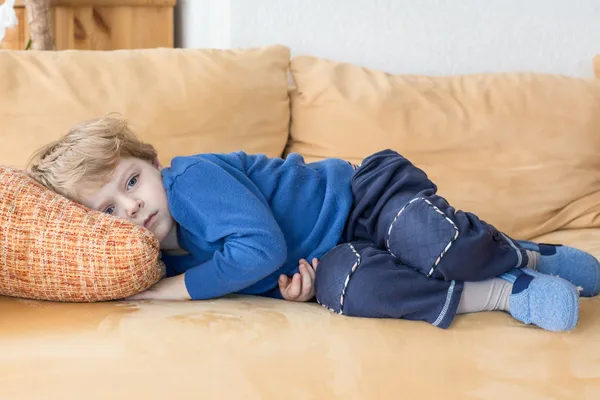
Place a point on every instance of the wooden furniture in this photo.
(101, 24)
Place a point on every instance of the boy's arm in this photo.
(217, 204)
(167, 289)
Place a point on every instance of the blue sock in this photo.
(578, 267)
(547, 301)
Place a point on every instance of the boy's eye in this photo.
(132, 182)
(109, 210)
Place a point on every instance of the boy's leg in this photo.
(430, 235)
(358, 279)
(397, 207)
(489, 295)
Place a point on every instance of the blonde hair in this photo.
(87, 155)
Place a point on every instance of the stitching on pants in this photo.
(444, 251)
(444, 311)
(346, 282)
(358, 260)
(519, 255)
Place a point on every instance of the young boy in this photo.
(389, 245)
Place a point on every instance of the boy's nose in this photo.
(134, 208)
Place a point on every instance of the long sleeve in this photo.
(220, 204)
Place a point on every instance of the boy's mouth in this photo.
(148, 222)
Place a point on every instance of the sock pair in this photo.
(547, 298)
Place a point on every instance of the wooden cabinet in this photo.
(101, 24)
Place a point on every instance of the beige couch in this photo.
(522, 150)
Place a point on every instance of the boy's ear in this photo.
(157, 164)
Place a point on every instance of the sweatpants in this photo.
(406, 252)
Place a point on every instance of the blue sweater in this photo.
(246, 219)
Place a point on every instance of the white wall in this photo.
(407, 36)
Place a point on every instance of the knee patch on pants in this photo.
(420, 235)
(333, 275)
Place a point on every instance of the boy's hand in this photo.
(167, 289)
(299, 287)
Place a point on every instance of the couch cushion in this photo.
(258, 348)
(183, 101)
(54, 249)
(520, 150)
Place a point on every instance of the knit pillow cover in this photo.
(52, 248)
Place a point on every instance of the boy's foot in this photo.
(578, 267)
(547, 301)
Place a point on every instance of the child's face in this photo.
(136, 192)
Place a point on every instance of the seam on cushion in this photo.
(436, 209)
(444, 311)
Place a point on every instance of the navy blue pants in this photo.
(407, 252)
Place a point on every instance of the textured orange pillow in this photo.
(521, 150)
(54, 249)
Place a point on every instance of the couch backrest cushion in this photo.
(520, 150)
(183, 101)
